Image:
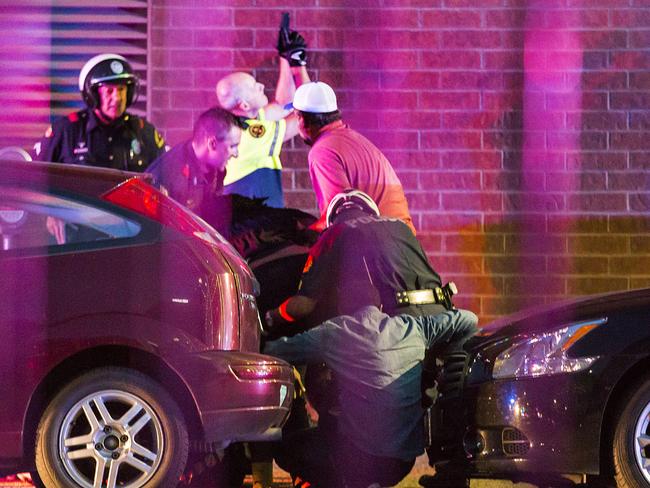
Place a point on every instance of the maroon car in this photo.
(129, 332)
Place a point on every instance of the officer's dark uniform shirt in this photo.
(179, 172)
(129, 143)
(365, 260)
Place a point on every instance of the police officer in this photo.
(192, 172)
(386, 306)
(104, 134)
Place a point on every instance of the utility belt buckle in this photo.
(440, 294)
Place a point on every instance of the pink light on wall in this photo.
(553, 62)
(24, 74)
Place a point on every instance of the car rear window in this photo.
(30, 218)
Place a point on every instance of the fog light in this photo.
(514, 442)
(473, 443)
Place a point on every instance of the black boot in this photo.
(444, 481)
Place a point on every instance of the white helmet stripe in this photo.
(102, 79)
(94, 61)
(345, 195)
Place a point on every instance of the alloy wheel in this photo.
(642, 442)
(111, 438)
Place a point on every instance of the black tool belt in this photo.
(440, 294)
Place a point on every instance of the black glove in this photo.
(296, 52)
(293, 48)
(291, 45)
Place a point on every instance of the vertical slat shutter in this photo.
(44, 44)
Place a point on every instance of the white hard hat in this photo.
(315, 97)
(350, 197)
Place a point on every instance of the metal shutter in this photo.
(44, 44)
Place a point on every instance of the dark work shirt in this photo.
(129, 143)
(363, 260)
(179, 172)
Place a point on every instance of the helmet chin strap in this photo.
(349, 205)
(104, 119)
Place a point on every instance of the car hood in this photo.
(548, 317)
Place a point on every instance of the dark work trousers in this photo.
(327, 459)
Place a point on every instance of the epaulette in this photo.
(76, 116)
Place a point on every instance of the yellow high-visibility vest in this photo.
(259, 148)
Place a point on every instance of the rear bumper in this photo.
(239, 396)
(244, 425)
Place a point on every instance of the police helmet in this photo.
(107, 68)
(350, 198)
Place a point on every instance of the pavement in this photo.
(282, 480)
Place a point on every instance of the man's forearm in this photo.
(290, 78)
(302, 348)
(286, 86)
(300, 75)
(290, 349)
(292, 309)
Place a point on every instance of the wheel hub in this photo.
(111, 442)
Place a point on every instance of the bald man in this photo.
(256, 173)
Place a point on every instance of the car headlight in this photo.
(545, 354)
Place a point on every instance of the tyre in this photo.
(111, 427)
(209, 470)
(631, 446)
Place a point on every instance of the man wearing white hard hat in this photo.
(341, 157)
(104, 133)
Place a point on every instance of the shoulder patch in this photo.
(158, 139)
(256, 130)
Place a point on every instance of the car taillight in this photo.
(258, 372)
(140, 197)
(135, 194)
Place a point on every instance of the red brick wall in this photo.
(518, 128)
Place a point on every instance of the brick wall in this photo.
(518, 128)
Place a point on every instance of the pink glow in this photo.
(552, 73)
